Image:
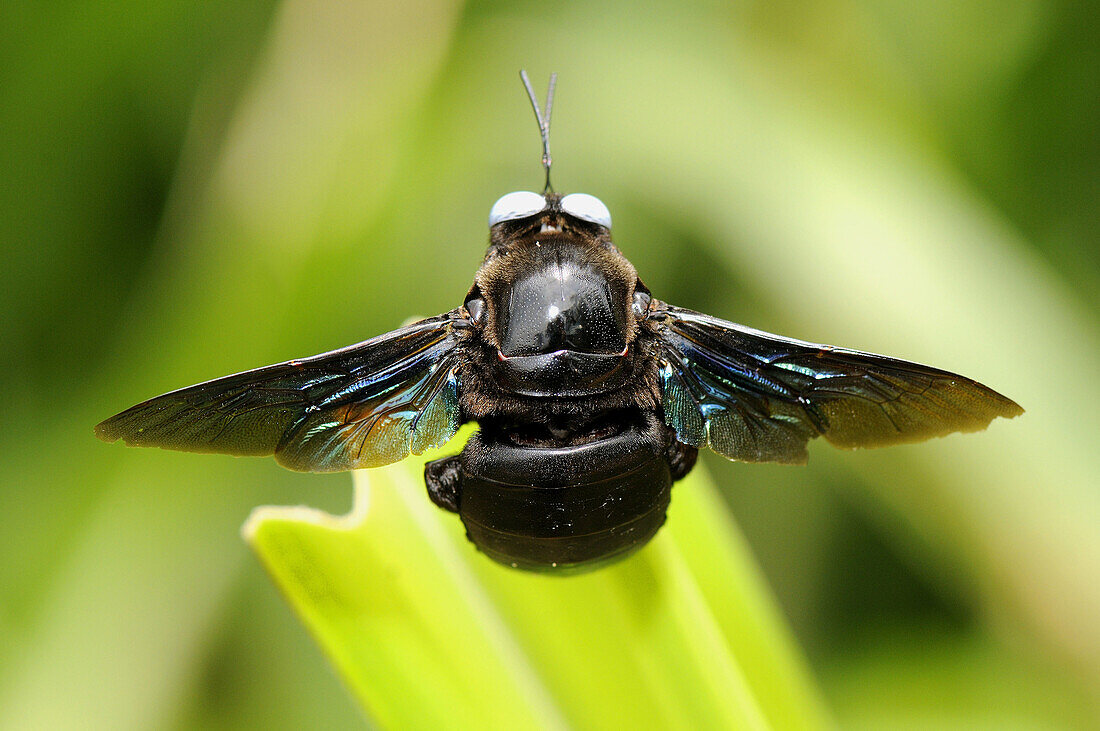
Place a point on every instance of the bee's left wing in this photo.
(362, 406)
(756, 397)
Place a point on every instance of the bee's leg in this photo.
(443, 478)
(681, 458)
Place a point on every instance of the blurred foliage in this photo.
(191, 189)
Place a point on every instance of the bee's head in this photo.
(549, 209)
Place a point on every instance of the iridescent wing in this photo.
(756, 397)
(362, 406)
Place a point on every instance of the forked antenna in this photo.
(544, 121)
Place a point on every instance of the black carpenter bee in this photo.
(592, 397)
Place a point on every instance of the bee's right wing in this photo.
(366, 405)
(756, 397)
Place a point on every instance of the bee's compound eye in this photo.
(476, 309)
(513, 206)
(587, 208)
(641, 303)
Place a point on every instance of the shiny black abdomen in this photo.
(567, 509)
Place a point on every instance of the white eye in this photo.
(521, 204)
(587, 208)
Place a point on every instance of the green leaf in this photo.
(425, 631)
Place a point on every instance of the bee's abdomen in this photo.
(563, 509)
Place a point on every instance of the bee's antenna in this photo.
(544, 122)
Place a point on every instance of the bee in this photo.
(592, 396)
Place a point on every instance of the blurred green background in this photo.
(192, 189)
